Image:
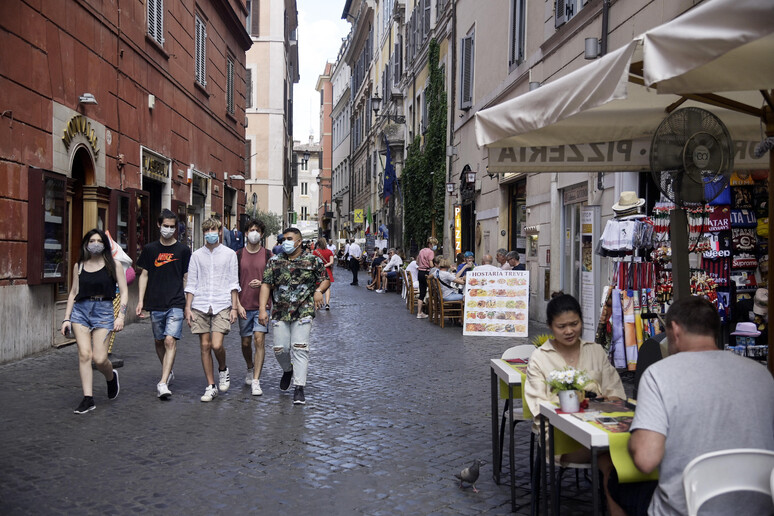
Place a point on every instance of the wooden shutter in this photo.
(230, 85)
(466, 68)
(156, 20)
(426, 20)
(560, 15)
(201, 56)
(248, 88)
(255, 9)
(517, 32)
(248, 158)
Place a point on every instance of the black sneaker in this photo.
(298, 396)
(87, 405)
(113, 387)
(285, 381)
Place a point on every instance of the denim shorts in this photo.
(168, 322)
(93, 313)
(392, 274)
(251, 325)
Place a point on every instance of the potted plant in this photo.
(568, 383)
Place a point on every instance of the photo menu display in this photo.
(496, 303)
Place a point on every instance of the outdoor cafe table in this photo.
(509, 376)
(592, 436)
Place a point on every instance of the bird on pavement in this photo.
(470, 474)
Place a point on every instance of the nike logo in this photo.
(164, 258)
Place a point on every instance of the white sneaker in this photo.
(380, 291)
(163, 390)
(224, 380)
(422, 316)
(170, 377)
(210, 393)
(256, 387)
(249, 377)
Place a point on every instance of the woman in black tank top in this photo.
(89, 313)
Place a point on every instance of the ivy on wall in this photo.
(424, 173)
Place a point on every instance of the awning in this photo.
(608, 100)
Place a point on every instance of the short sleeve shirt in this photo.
(166, 266)
(293, 283)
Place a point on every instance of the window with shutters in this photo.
(397, 61)
(248, 159)
(156, 20)
(304, 188)
(201, 52)
(248, 88)
(566, 10)
(466, 71)
(424, 113)
(516, 50)
(230, 85)
(253, 10)
(426, 19)
(304, 213)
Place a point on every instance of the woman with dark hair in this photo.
(566, 348)
(89, 312)
(326, 255)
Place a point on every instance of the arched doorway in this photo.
(81, 174)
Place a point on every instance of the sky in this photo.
(320, 31)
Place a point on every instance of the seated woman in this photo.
(564, 318)
(376, 269)
(449, 281)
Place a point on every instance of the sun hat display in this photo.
(761, 301)
(628, 201)
(746, 329)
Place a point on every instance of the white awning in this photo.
(607, 100)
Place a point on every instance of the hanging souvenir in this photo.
(742, 196)
(743, 218)
(719, 219)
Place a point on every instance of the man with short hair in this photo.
(685, 409)
(355, 253)
(164, 265)
(513, 261)
(486, 265)
(390, 270)
(212, 301)
(252, 260)
(297, 281)
(501, 260)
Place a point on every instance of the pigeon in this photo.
(470, 474)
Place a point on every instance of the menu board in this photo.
(497, 303)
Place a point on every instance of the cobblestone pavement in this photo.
(395, 406)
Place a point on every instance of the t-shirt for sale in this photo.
(251, 266)
(166, 266)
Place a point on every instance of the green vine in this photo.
(424, 173)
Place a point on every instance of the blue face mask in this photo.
(435, 247)
(288, 246)
(211, 237)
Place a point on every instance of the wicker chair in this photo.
(445, 309)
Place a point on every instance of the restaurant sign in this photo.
(79, 124)
(155, 167)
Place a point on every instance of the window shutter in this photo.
(255, 9)
(467, 72)
(201, 56)
(517, 31)
(230, 85)
(426, 21)
(560, 14)
(249, 88)
(248, 158)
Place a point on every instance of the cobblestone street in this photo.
(395, 406)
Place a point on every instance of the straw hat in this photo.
(746, 329)
(761, 302)
(628, 201)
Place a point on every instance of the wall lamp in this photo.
(450, 188)
(376, 104)
(533, 85)
(87, 98)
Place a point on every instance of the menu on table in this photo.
(496, 303)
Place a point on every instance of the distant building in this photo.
(325, 209)
(306, 193)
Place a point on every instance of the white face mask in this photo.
(253, 237)
(167, 232)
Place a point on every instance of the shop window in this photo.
(47, 223)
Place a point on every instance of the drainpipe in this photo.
(605, 27)
(450, 116)
(556, 236)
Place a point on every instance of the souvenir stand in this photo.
(728, 246)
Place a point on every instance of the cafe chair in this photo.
(516, 352)
(445, 309)
(727, 471)
(648, 354)
(432, 300)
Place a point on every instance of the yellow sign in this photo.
(80, 125)
(154, 167)
(359, 216)
(457, 229)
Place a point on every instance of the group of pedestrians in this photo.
(210, 289)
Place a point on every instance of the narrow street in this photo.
(395, 406)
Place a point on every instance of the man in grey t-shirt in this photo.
(699, 400)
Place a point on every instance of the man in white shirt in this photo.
(332, 247)
(390, 270)
(354, 260)
(211, 302)
(486, 265)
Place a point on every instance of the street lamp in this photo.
(470, 177)
(450, 188)
(376, 104)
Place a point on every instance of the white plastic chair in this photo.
(726, 471)
(772, 486)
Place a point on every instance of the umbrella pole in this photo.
(768, 115)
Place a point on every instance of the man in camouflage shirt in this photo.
(297, 281)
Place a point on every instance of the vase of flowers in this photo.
(568, 384)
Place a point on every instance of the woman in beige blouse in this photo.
(564, 317)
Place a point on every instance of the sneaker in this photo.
(285, 381)
(422, 316)
(224, 380)
(327, 307)
(163, 390)
(113, 387)
(256, 385)
(380, 291)
(249, 377)
(298, 396)
(170, 377)
(87, 405)
(210, 393)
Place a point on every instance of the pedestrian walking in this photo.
(89, 313)
(355, 253)
(164, 265)
(324, 253)
(252, 260)
(211, 302)
(297, 281)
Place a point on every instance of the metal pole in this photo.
(681, 273)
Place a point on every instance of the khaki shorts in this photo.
(209, 322)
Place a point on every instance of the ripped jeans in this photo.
(291, 347)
